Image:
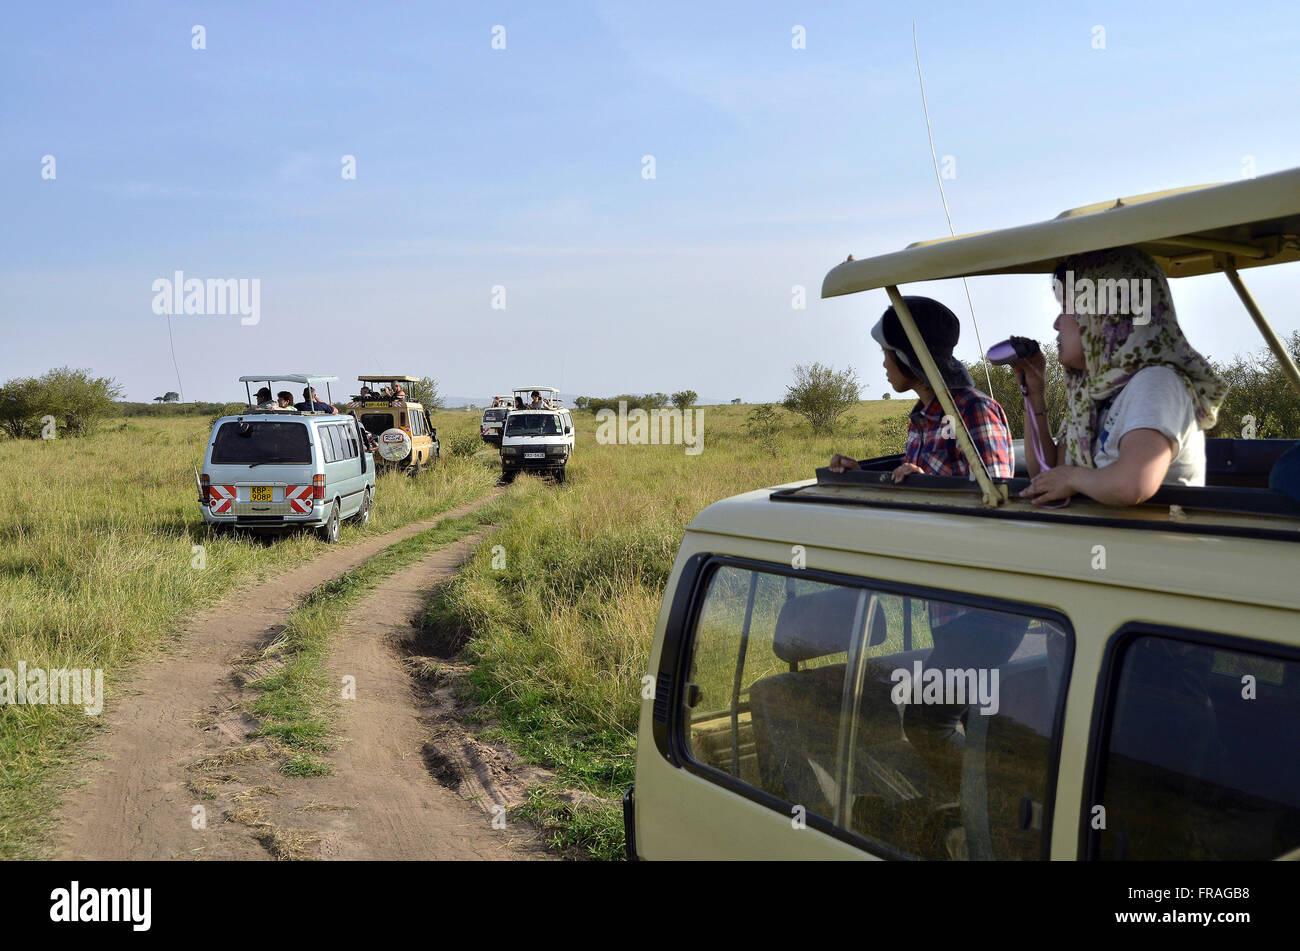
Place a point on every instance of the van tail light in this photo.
(318, 487)
(205, 488)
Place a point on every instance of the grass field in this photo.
(98, 556)
(98, 563)
(562, 633)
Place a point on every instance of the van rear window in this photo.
(264, 443)
(377, 423)
(495, 415)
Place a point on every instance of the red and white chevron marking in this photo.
(219, 498)
(299, 498)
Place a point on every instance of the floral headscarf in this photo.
(1115, 347)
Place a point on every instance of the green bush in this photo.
(77, 401)
(462, 443)
(821, 394)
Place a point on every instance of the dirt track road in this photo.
(176, 739)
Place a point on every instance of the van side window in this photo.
(335, 451)
(922, 727)
(1201, 758)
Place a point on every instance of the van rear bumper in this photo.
(269, 522)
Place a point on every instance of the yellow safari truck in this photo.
(1133, 688)
(398, 430)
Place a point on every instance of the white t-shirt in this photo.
(1156, 398)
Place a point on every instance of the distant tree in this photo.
(884, 396)
(736, 401)
(655, 400)
(821, 394)
(1259, 389)
(160, 399)
(171, 396)
(685, 398)
(761, 424)
(581, 402)
(426, 392)
(20, 408)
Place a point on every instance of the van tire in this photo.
(329, 532)
(559, 474)
(367, 506)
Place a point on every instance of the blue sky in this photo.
(522, 168)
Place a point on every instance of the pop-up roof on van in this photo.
(308, 379)
(1200, 230)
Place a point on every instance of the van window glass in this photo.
(354, 443)
(417, 429)
(377, 423)
(246, 443)
(774, 702)
(1201, 760)
(494, 415)
(532, 424)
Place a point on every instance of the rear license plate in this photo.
(260, 493)
(534, 455)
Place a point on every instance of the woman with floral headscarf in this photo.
(1138, 396)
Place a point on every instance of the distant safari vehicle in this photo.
(494, 419)
(540, 440)
(398, 429)
(1128, 682)
(274, 469)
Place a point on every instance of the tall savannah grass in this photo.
(97, 555)
(561, 634)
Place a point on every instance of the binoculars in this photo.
(1011, 350)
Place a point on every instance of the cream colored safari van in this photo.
(1126, 684)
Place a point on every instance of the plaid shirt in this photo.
(937, 452)
(940, 454)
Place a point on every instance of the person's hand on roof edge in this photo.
(905, 470)
(841, 463)
(1054, 485)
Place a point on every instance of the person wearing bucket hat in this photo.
(932, 446)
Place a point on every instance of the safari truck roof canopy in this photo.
(387, 378)
(539, 389)
(1188, 231)
(1257, 221)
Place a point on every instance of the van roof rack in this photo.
(1188, 231)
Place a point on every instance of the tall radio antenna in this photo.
(944, 198)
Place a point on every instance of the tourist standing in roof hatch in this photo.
(932, 446)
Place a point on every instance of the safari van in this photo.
(494, 419)
(539, 440)
(273, 470)
(399, 430)
(1134, 690)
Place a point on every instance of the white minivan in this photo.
(272, 469)
(539, 440)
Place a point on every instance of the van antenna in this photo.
(175, 365)
(944, 198)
